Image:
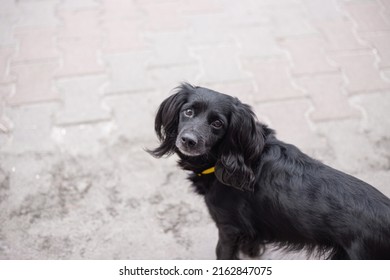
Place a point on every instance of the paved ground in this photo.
(80, 81)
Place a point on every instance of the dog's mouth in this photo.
(190, 146)
(190, 152)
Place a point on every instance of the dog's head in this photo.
(196, 122)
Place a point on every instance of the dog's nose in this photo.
(189, 140)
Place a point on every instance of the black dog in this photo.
(260, 190)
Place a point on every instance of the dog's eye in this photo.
(189, 113)
(217, 124)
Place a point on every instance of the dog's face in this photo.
(203, 121)
(198, 122)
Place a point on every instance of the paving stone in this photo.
(8, 7)
(257, 41)
(121, 10)
(386, 74)
(271, 86)
(36, 44)
(308, 54)
(5, 93)
(360, 71)
(381, 42)
(128, 71)
(78, 5)
(82, 100)
(83, 139)
(243, 90)
(200, 7)
(347, 139)
(79, 23)
(367, 15)
(163, 16)
(386, 5)
(169, 77)
(170, 48)
(245, 14)
(209, 29)
(31, 128)
(291, 22)
(80, 56)
(5, 55)
(38, 13)
(26, 175)
(329, 99)
(211, 58)
(34, 83)
(127, 107)
(319, 10)
(376, 107)
(340, 35)
(289, 117)
(122, 36)
(6, 29)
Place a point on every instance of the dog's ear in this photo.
(240, 149)
(167, 121)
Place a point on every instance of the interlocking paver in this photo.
(167, 77)
(340, 35)
(5, 55)
(274, 114)
(78, 93)
(367, 15)
(38, 13)
(79, 23)
(209, 29)
(170, 48)
(8, 7)
(381, 42)
(123, 36)
(244, 13)
(360, 70)
(126, 106)
(308, 54)
(128, 71)
(257, 41)
(271, 86)
(376, 106)
(34, 82)
(163, 16)
(36, 44)
(5, 93)
(329, 100)
(122, 10)
(31, 129)
(319, 10)
(7, 21)
(77, 4)
(212, 57)
(347, 156)
(80, 56)
(290, 21)
(83, 139)
(200, 7)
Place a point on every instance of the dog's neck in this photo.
(197, 164)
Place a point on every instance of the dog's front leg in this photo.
(227, 247)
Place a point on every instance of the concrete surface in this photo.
(80, 81)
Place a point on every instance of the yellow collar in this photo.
(207, 171)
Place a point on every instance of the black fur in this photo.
(264, 190)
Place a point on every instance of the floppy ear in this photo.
(240, 150)
(167, 121)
